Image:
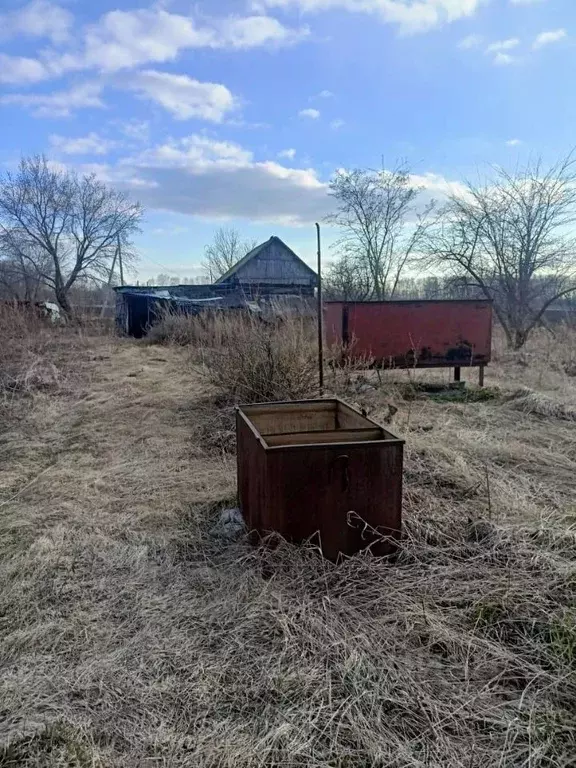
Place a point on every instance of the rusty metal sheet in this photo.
(406, 334)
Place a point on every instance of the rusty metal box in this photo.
(319, 467)
(413, 334)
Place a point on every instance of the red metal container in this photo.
(406, 334)
(319, 467)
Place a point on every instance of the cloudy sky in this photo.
(239, 111)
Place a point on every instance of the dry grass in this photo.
(132, 633)
(250, 358)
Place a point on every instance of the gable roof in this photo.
(254, 252)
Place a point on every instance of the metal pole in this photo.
(120, 262)
(481, 376)
(320, 318)
(108, 284)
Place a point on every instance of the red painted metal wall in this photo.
(423, 334)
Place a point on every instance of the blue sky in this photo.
(238, 112)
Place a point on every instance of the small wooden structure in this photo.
(319, 466)
(270, 268)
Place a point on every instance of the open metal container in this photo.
(319, 467)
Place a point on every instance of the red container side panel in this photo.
(413, 333)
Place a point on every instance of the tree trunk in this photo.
(62, 299)
(520, 338)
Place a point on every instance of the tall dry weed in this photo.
(263, 359)
(24, 364)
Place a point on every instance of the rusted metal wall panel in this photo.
(251, 465)
(340, 492)
(349, 493)
(413, 333)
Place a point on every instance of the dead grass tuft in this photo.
(528, 401)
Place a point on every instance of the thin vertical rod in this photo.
(108, 284)
(320, 318)
(119, 251)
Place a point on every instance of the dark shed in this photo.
(137, 310)
(270, 271)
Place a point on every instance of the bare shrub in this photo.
(250, 358)
(39, 358)
(23, 364)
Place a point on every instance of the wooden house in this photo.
(268, 273)
(272, 268)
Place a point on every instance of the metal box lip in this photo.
(243, 411)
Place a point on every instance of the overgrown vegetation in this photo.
(30, 361)
(248, 357)
(133, 632)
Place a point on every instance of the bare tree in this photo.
(21, 278)
(380, 226)
(509, 239)
(63, 225)
(226, 249)
(346, 280)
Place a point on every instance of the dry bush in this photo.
(209, 328)
(255, 359)
(38, 358)
(25, 364)
(179, 328)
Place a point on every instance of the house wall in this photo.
(276, 265)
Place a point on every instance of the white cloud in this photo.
(503, 59)
(19, 69)
(309, 114)
(503, 45)
(435, 185)
(137, 130)
(58, 103)
(514, 142)
(128, 39)
(471, 41)
(40, 18)
(253, 31)
(209, 178)
(290, 154)
(325, 94)
(336, 124)
(526, 2)
(219, 179)
(548, 38)
(181, 95)
(197, 153)
(411, 17)
(92, 144)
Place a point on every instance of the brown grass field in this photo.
(135, 632)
